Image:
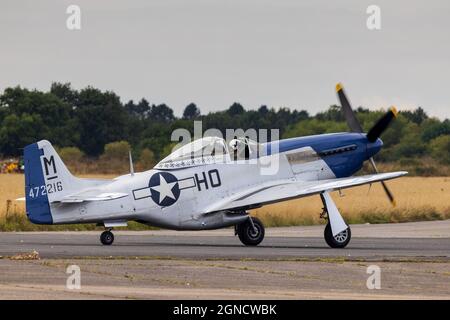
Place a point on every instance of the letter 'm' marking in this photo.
(47, 163)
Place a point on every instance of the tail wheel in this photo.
(251, 234)
(340, 240)
(107, 238)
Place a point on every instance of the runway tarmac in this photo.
(291, 263)
(418, 241)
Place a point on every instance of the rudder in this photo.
(47, 179)
(37, 204)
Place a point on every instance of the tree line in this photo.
(85, 121)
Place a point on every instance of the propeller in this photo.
(373, 134)
(381, 125)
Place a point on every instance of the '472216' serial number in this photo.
(45, 189)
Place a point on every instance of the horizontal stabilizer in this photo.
(91, 196)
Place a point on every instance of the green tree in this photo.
(18, 131)
(72, 157)
(191, 112)
(410, 145)
(235, 109)
(168, 149)
(417, 116)
(432, 128)
(115, 158)
(440, 149)
(314, 126)
(71, 154)
(64, 92)
(334, 113)
(101, 119)
(55, 114)
(140, 110)
(161, 113)
(147, 159)
(117, 150)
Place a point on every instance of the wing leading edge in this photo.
(289, 189)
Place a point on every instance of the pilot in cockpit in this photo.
(240, 149)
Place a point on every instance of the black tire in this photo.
(341, 240)
(247, 234)
(107, 238)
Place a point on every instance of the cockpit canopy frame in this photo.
(208, 150)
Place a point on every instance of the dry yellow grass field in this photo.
(11, 188)
(418, 198)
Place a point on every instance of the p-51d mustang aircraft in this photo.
(210, 184)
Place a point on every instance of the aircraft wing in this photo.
(91, 195)
(289, 189)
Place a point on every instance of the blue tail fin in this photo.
(37, 204)
(47, 182)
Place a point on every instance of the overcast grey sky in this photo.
(274, 52)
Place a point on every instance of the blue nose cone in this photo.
(374, 147)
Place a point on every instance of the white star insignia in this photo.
(164, 189)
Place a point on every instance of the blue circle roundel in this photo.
(164, 188)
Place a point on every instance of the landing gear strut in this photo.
(251, 232)
(337, 233)
(107, 237)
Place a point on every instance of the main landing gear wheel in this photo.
(338, 241)
(251, 232)
(107, 238)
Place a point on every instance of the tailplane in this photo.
(47, 180)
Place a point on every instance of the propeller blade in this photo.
(383, 184)
(349, 115)
(373, 133)
(382, 124)
(389, 194)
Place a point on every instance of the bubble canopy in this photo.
(209, 150)
(201, 151)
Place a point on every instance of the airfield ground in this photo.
(291, 263)
(222, 279)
